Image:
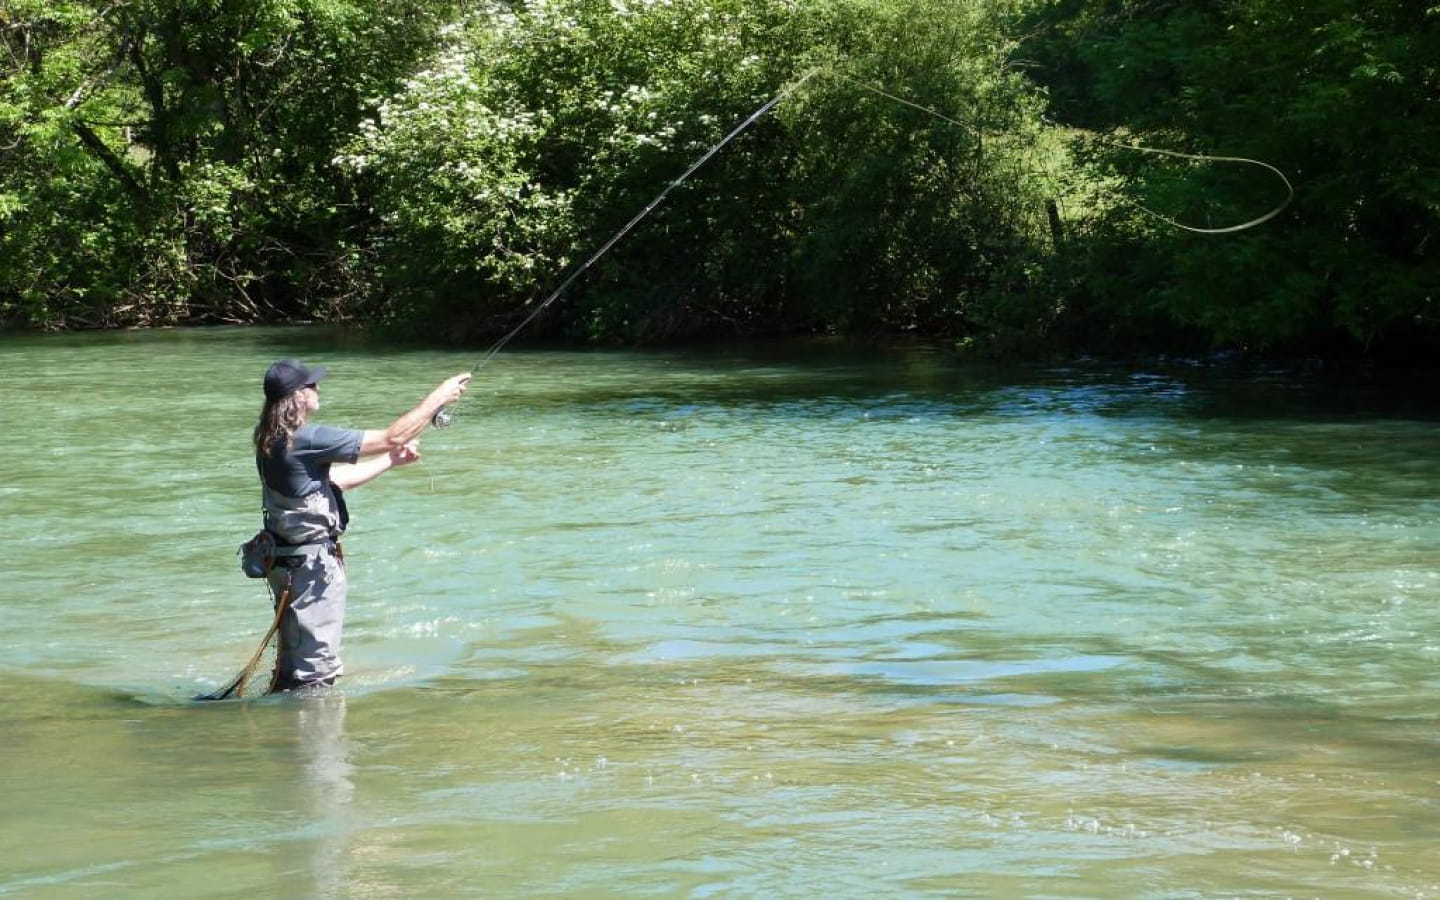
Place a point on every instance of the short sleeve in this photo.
(326, 443)
(304, 466)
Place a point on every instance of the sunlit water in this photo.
(776, 622)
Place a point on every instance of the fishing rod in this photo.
(445, 415)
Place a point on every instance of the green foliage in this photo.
(169, 160)
(1339, 94)
(446, 165)
(541, 128)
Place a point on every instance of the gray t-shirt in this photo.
(305, 467)
(301, 505)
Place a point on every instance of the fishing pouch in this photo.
(257, 555)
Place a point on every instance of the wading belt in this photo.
(288, 556)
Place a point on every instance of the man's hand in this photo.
(451, 389)
(405, 455)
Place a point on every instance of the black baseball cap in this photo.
(287, 376)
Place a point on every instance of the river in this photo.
(778, 621)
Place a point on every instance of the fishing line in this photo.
(445, 416)
(910, 103)
(1228, 229)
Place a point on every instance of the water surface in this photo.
(785, 621)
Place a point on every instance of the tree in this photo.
(1342, 95)
(169, 160)
(539, 129)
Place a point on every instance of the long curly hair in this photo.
(278, 421)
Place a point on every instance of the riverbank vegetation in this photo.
(964, 170)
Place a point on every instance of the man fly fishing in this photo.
(305, 468)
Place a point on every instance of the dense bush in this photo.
(169, 160)
(540, 129)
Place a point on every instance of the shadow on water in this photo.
(925, 383)
(907, 381)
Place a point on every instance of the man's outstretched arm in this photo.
(413, 423)
(368, 468)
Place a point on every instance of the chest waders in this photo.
(310, 574)
(306, 531)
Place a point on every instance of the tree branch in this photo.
(112, 161)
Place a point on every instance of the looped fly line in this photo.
(446, 415)
(1228, 229)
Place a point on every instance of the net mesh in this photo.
(259, 675)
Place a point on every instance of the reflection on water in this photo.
(326, 790)
(779, 621)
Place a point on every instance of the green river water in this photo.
(773, 622)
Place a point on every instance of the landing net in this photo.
(257, 677)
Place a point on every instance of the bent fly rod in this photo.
(445, 415)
